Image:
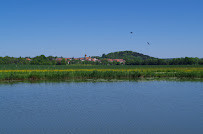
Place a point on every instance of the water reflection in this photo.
(100, 107)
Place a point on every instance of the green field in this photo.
(51, 72)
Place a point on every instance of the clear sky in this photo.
(72, 28)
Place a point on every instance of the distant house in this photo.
(81, 59)
(116, 60)
(28, 59)
(66, 59)
(90, 58)
(60, 59)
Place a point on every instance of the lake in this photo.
(120, 107)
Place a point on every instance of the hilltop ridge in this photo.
(126, 55)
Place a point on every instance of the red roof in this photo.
(28, 59)
(60, 59)
(117, 60)
(110, 60)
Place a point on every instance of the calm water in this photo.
(151, 107)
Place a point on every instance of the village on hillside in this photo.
(68, 60)
(85, 58)
(113, 58)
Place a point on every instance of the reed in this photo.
(134, 73)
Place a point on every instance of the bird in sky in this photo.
(148, 43)
(131, 33)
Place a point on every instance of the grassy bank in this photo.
(98, 72)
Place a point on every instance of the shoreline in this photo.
(101, 80)
(95, 74)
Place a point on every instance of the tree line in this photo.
(50, 60)
(174, 61)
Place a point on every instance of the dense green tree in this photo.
(63, 62)
(131, 58)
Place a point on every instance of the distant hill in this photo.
(126, 55)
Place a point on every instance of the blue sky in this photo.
(72, 28)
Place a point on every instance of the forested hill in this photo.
(126, 55)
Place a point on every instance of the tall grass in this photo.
(96, 74)
(32, 72)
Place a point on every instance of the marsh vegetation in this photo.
(30, 72)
